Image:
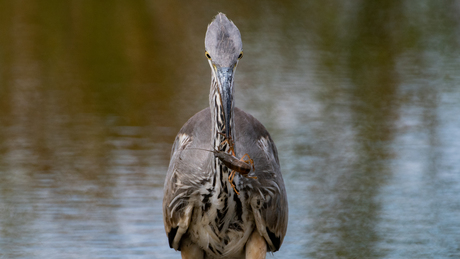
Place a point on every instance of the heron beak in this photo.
(225, 87)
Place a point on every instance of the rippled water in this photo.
(361, 97)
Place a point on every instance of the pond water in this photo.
(361, 97)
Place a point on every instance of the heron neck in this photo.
(219, 130)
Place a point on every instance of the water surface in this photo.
(361, 97)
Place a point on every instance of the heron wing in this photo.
(184, 179)
(268, 198)
(187, 174)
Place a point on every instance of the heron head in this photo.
(223, 42)
(224, 48)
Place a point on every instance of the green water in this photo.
(361, 97)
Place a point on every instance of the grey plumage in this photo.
(223, 40)
(199, 204)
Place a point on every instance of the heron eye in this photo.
(207, 55)
(241, 55)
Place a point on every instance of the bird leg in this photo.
(256, 247)
(190, 250)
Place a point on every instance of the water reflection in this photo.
(360, 97)
(374, 103)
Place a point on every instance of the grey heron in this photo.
(210, 208)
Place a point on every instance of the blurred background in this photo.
(361, 97)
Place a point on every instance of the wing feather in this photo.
(268, 199)
(185, 177)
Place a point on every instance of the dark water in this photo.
(361, 97)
